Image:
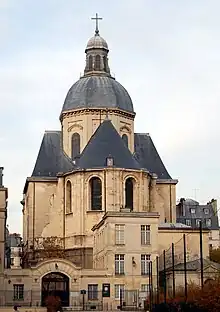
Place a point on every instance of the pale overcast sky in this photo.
(166, 53)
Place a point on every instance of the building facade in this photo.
(190, 212)
(3, 218)
(100, 203)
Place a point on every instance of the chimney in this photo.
(1, 176)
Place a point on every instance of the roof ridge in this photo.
(52, 131)
(142, 133)
(107, 141)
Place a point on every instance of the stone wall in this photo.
(86, 122)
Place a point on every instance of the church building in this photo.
(99, 203)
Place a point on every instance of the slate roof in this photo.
(51, 158)
(173, 226)
(98, 92)
(183, 213)
(196, 264)
(104, 142)
(148, 157)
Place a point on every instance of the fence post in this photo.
(158, 280)
(185, 268)
(164, 277)
(201, 253)
(173, 269)
(150, 285)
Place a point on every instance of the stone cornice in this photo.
(122, 214)
(38, 179)
(167, 181)
(81, 170)
(95, 111)
(181, 229)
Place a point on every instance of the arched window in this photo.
(129, 193)
(105, 63)
(90, 62)
(75, 145)
(96, 193)
(68, 197)
(125, 139)
(97, 62)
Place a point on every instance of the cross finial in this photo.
(96, 18)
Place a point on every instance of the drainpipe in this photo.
(171, 212)
(1, 176)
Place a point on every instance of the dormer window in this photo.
(208, 222)
(198, 222)
(193, 210)
(109, 161)
(206, 211)
(188, 222)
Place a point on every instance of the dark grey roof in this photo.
(51, 159)
(174, 226)
(183, 213)
(98, 92)
(196, 265)
(148, 157)
(104, 142)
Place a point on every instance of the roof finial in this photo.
(96, 18)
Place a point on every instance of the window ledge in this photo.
(144, 245)
(145, 274)
(68, 213)
(122, 245)
(119, 274)
(95, 211)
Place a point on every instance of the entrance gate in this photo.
(55, 284)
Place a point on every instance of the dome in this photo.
(98, 92)
(97, 42)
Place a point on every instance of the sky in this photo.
(165, 53)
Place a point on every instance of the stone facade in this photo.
(45, 212)
(85, 123)
(72, 210)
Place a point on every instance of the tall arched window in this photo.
(75, 145)
(97, 62)
(125, 139)
(96, 193)
(105, 63)
(90, 62)
(129, 193)
(68, 197)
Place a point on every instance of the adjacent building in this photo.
(13, 250)
(3, 218)
(191, 213)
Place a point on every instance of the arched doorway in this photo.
(55, 284)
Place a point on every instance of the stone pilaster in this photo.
(153, 193)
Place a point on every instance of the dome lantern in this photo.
(97, 88)
(97, 54)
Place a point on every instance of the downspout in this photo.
(33, 221)
(100, 117)
(64, 216)
(105, 190)
(171, 212)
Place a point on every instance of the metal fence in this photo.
(30, 298)
(177, 269)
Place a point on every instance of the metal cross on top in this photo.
(96, 18)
